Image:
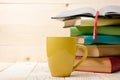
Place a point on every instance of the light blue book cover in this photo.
(102, 39)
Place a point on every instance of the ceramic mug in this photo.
(61, 52)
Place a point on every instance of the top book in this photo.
(112, 11)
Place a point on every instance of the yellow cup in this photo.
(61, 55)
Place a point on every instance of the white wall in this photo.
(25, 24)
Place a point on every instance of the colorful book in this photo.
(88, 21)
(100, 50)
(101, 39)
(103, 65)
(87, 30)
(111, 11)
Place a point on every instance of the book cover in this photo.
(101, 39)
(88, 21)
(100, 50)
(103, 65)
(87, 30)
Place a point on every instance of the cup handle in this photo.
(84, 56)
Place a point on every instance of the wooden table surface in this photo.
(40, 71)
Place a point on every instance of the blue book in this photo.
(101, 39)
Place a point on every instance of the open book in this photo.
(112, 11)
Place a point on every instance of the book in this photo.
(103, 65)
(100, 50)
(88, 21)
(101, 39)
(87, 30)
(112, 11)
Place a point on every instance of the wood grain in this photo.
(40, 71)
(25, 24)
(18, 71)
(24, 28)
(61, 1)
(4, 66)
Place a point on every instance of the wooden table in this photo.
(40, 71)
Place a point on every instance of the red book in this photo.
(102, 65)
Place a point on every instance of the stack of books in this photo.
(104, 51)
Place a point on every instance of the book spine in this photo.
(88, 30)
(102, 39)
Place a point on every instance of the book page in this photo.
(110, 11)
(87, 11)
